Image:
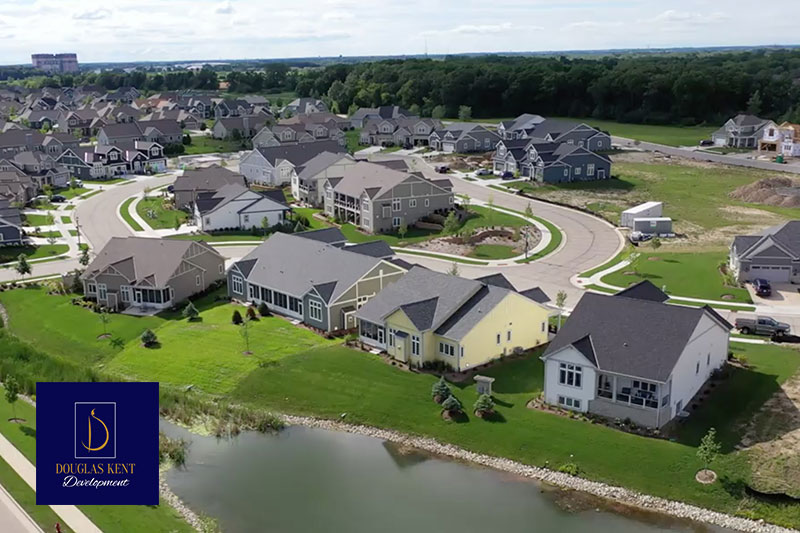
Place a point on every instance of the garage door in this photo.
(448, 148)
(771, 273)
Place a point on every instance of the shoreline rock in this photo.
(558, 479)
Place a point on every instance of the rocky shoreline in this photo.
(192, 518)
(565, 481)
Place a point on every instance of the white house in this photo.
(632, 356)
(234, 206)
(275, 165)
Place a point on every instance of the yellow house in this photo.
(428, 316)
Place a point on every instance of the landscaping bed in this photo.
(160, 213)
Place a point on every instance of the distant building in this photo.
(55, 62)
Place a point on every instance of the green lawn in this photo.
(73, 232)
(129, 518)
(353, 138)
(221, 236)
(124, 211)
(208, 353)
(626, 250)
(98, 191)
(111, 181)
(309, 213)
(411, 251)
(73, 332)
(45, 234)
(68, 193)
(10, 254)
(66, 219)
(669, 135)
(153, 211)
(493, 251)
(693, 274)
(203, 144)
(35, 221)
(335, 380)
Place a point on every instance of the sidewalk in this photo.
(70, 514)
(13, 518)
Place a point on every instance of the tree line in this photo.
(659, 89)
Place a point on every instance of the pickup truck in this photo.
(762, 325)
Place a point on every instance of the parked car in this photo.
(77, 182)
(58, 198)
(442, 169)
(171, 189)
(483, 172)
(762, 325)
(762, 287)
(42, 198)
(706, 142)
(507, 175)
(638, 236)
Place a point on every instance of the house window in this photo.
(295, 305)
(543, 326)
(569, 374)
(697, 368)
(247, 218)
(237, 284)
(266, 295)
(412, 202)
(508, 336)
(315, 310)
(91, 288)
(396, 222)
(415, 345)
(391, 337)
(102, 293)
(708, 359)
(572, 403)
(396, 204)
(252, 291)
(450, 200)
(365, 205)
(590, 169)
(645, 386)
(577, 171)
(125, 293)
(197, 280)
(566, 172)
(447, 349)
(221, 268)
(427, 202)
(498, 338)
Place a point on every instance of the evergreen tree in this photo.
(22, 267)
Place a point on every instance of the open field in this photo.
(204, 144)
(682, 274)
(153, 211)
(669, 135)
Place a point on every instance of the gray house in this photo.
(463, 138)
(402, 131)
(364, 114)
(774, 254)
(309, 179)
(520, 127)
(202, 180)
(163, 132)
(741, 131)
(379, 199)
(305, 106)
(151, 273)
(275, 165)
(550, 162)
(572, 133)
(632, 356)
(310, 280)
(241, 126)
(10, 224)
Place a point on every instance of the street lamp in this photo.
(78, 230)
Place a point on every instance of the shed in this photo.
(645, 210)
(653, 225)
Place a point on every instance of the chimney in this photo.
(28, 139)
(246, 124)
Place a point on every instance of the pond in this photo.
(314, 480)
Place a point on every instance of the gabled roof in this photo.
(324, 235)
(207, 179)
(635, 337)
(208, 201)
(786, 235)
(299, 153)
(644, 290)
(375, 180)
(140, 259)
(376, 248)
(296, 265)
(320, 162)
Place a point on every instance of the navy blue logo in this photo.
(97, 443)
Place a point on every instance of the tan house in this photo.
(151, 273)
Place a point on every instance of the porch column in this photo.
(614, 388)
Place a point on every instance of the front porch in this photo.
(644, 402)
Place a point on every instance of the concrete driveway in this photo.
(783, 295)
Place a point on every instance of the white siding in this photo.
(553, 389)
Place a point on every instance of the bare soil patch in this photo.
(705, 476)
(779, 191)
(449, 245)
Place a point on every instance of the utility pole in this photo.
(78, 229)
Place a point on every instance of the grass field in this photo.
(683, 274)
(309, 212)
(10, 254)
(124, 211)
(669, 135)
(35, 221)
(209, 353)
(493, 251)
(66, 219)
(68, 193)
(153, 212)
(112, 181)
(353, 137)
(203, 144)
(45, 234)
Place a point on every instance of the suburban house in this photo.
(82, 123)
(275, 165)
(14, 141)
(365, 114)
(265, 138)
(163, 132)
(16, 186)
(321, 284)
(309, 119)
(741, 131)
(10, 224)
(151, 273)
(40, 166)
(108, 161)
(38, 119)
(238, 127)
(520, 127)
(403, 131)
(633, 356)
(309, 179)
(774, 254)
(572, 133)
(550, 162)
(305, 106)
(431, 317)
(202, 180)
(235, 207)
(378, 199)
(463, 138)
(783, 139)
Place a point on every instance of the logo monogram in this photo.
(95, 430)
(105, 427)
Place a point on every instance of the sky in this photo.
(167, 30)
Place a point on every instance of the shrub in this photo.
(451, 405)
(190, 312)
(440, 391)
(251, 313)
(237, 317)
(263, 310)
(174, 450)
(484, 404)
(149, 338)
(569, 468)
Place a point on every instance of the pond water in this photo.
(313, 480)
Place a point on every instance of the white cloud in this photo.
(225, 8)
(482, 29)
(338, 15)
(94, 14)
(672, 16)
